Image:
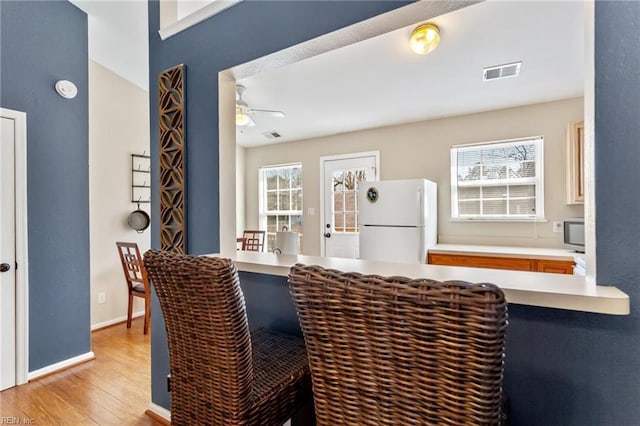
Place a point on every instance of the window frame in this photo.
(537, 181)
(262, 200)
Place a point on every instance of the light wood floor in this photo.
(113, 389)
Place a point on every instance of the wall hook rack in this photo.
(140, 175)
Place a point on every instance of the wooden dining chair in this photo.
(137, 281)
(221, 373)
(240, 242)
(399, 351)
(253, 240)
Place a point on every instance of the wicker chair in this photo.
(221, 374)
(396, 351)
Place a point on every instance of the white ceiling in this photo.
(380, 82)
(118, 37)
(187, 7)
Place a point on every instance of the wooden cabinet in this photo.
(553, 266)
(499, 262)
(515, 264)
(575, 163)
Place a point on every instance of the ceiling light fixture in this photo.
(425, 38)
(242, 118)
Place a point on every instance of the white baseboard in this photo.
(160, 411)
(123, 318)
(53, 368)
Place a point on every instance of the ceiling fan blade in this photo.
(279, 114)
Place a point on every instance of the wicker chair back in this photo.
(400, 351)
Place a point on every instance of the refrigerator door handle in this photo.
(420, 209)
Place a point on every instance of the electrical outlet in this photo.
(557, 226)
(102, 297)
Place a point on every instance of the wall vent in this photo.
(271, 134)
(501, 71)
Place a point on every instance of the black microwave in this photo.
(574, 234)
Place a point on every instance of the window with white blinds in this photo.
(498, 180)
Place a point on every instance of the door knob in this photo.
(327, 235)
(4, 267)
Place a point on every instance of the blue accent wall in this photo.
(247, 31)
(618, 136)
(42, 42)
(239, 34)
(562, 367)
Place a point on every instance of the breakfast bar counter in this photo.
(571, 292)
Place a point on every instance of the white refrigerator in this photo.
(398, 220)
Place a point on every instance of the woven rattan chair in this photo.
(221, 374)
(395, 351)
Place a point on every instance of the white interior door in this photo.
(7, 256)
(341, 176)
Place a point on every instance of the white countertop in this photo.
(503, 251)
(570, 292)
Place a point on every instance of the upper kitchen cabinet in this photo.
(575, 163)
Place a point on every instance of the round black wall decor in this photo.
(372, 194)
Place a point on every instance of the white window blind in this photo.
(280, 200)
(498, 180)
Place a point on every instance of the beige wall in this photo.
(240, 187)
(118, 127)
(422, 150)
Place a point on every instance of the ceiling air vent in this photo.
(271, 134)
(501, 71)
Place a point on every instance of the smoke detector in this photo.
(499, 72)
(66, 89)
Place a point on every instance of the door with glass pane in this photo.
(342, 177)
(281, 201)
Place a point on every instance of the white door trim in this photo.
(22, 258)
(339, 157)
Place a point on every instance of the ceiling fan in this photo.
(244, 113)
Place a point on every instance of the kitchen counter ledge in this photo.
(559, 291)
